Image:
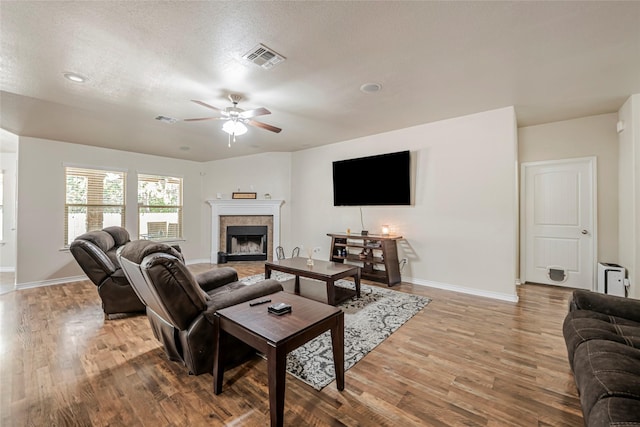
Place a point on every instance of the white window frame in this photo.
(165, 228)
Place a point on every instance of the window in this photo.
(159, 207)
(94, 200)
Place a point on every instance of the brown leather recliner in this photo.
(181, 306)
(95, 252)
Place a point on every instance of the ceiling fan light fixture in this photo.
(233, 127)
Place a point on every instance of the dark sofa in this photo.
(602, 333)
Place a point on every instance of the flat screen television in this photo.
(382, 180)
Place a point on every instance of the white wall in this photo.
(41, 196)
(8, 165)
(261, 173)
(461, 231)
(583, 137)
(629, 191)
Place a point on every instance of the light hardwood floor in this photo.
(462, 361)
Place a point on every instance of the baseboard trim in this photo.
(7, 269)
(198, 261)
(41, 283)
(462, 289)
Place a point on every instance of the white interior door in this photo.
(558, 222)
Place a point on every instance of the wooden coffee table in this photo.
(275, 336)
(324, 271)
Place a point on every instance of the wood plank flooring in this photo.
(462, 361)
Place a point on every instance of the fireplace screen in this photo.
(246, 243)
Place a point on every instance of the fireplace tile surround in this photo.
(226, 212)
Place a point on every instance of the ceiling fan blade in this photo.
(253, 113)
(204, 104)
(264, 126)
(204, 118)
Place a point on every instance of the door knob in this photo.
(584, 232)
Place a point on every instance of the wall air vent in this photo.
(263, 57)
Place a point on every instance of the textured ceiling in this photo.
(435, 60)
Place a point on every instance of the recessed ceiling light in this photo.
(370, 87)
(75, 77)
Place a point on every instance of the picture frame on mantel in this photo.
(243, 195)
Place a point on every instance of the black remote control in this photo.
(262, 301)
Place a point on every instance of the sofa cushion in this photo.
(581, 326)
(606, 369)
(172, 281)
(100, 238)
(137, 250)
(216, 277)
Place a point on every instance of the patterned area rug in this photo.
(368, 321)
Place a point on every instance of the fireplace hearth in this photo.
(247, 243)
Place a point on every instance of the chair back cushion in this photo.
(120, 235)
(90, 251)
(163, 282)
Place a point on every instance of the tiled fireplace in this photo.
(245, 229)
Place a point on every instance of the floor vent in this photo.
(263, 57)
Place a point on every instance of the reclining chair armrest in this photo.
(92, 260)
(238, 296)
(215, 278)
(606, 304)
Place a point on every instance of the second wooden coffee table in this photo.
(325, 271)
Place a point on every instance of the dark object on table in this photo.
(279, 309)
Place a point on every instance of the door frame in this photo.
(592, 162)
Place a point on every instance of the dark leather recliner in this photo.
(181, 306)
(95, 252)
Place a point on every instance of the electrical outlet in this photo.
(405, 260)
(317, 250)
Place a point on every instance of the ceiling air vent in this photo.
(166, 119)
(263, 57)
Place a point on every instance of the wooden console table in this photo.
(371, 250)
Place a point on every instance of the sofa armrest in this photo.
(216, 277)
(238, 296)
(606, 304)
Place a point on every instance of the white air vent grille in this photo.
(166, 119)
(263, 57)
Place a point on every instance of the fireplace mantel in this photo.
(221, 207)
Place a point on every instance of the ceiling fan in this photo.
(236, 118)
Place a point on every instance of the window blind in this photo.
(94, 200)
